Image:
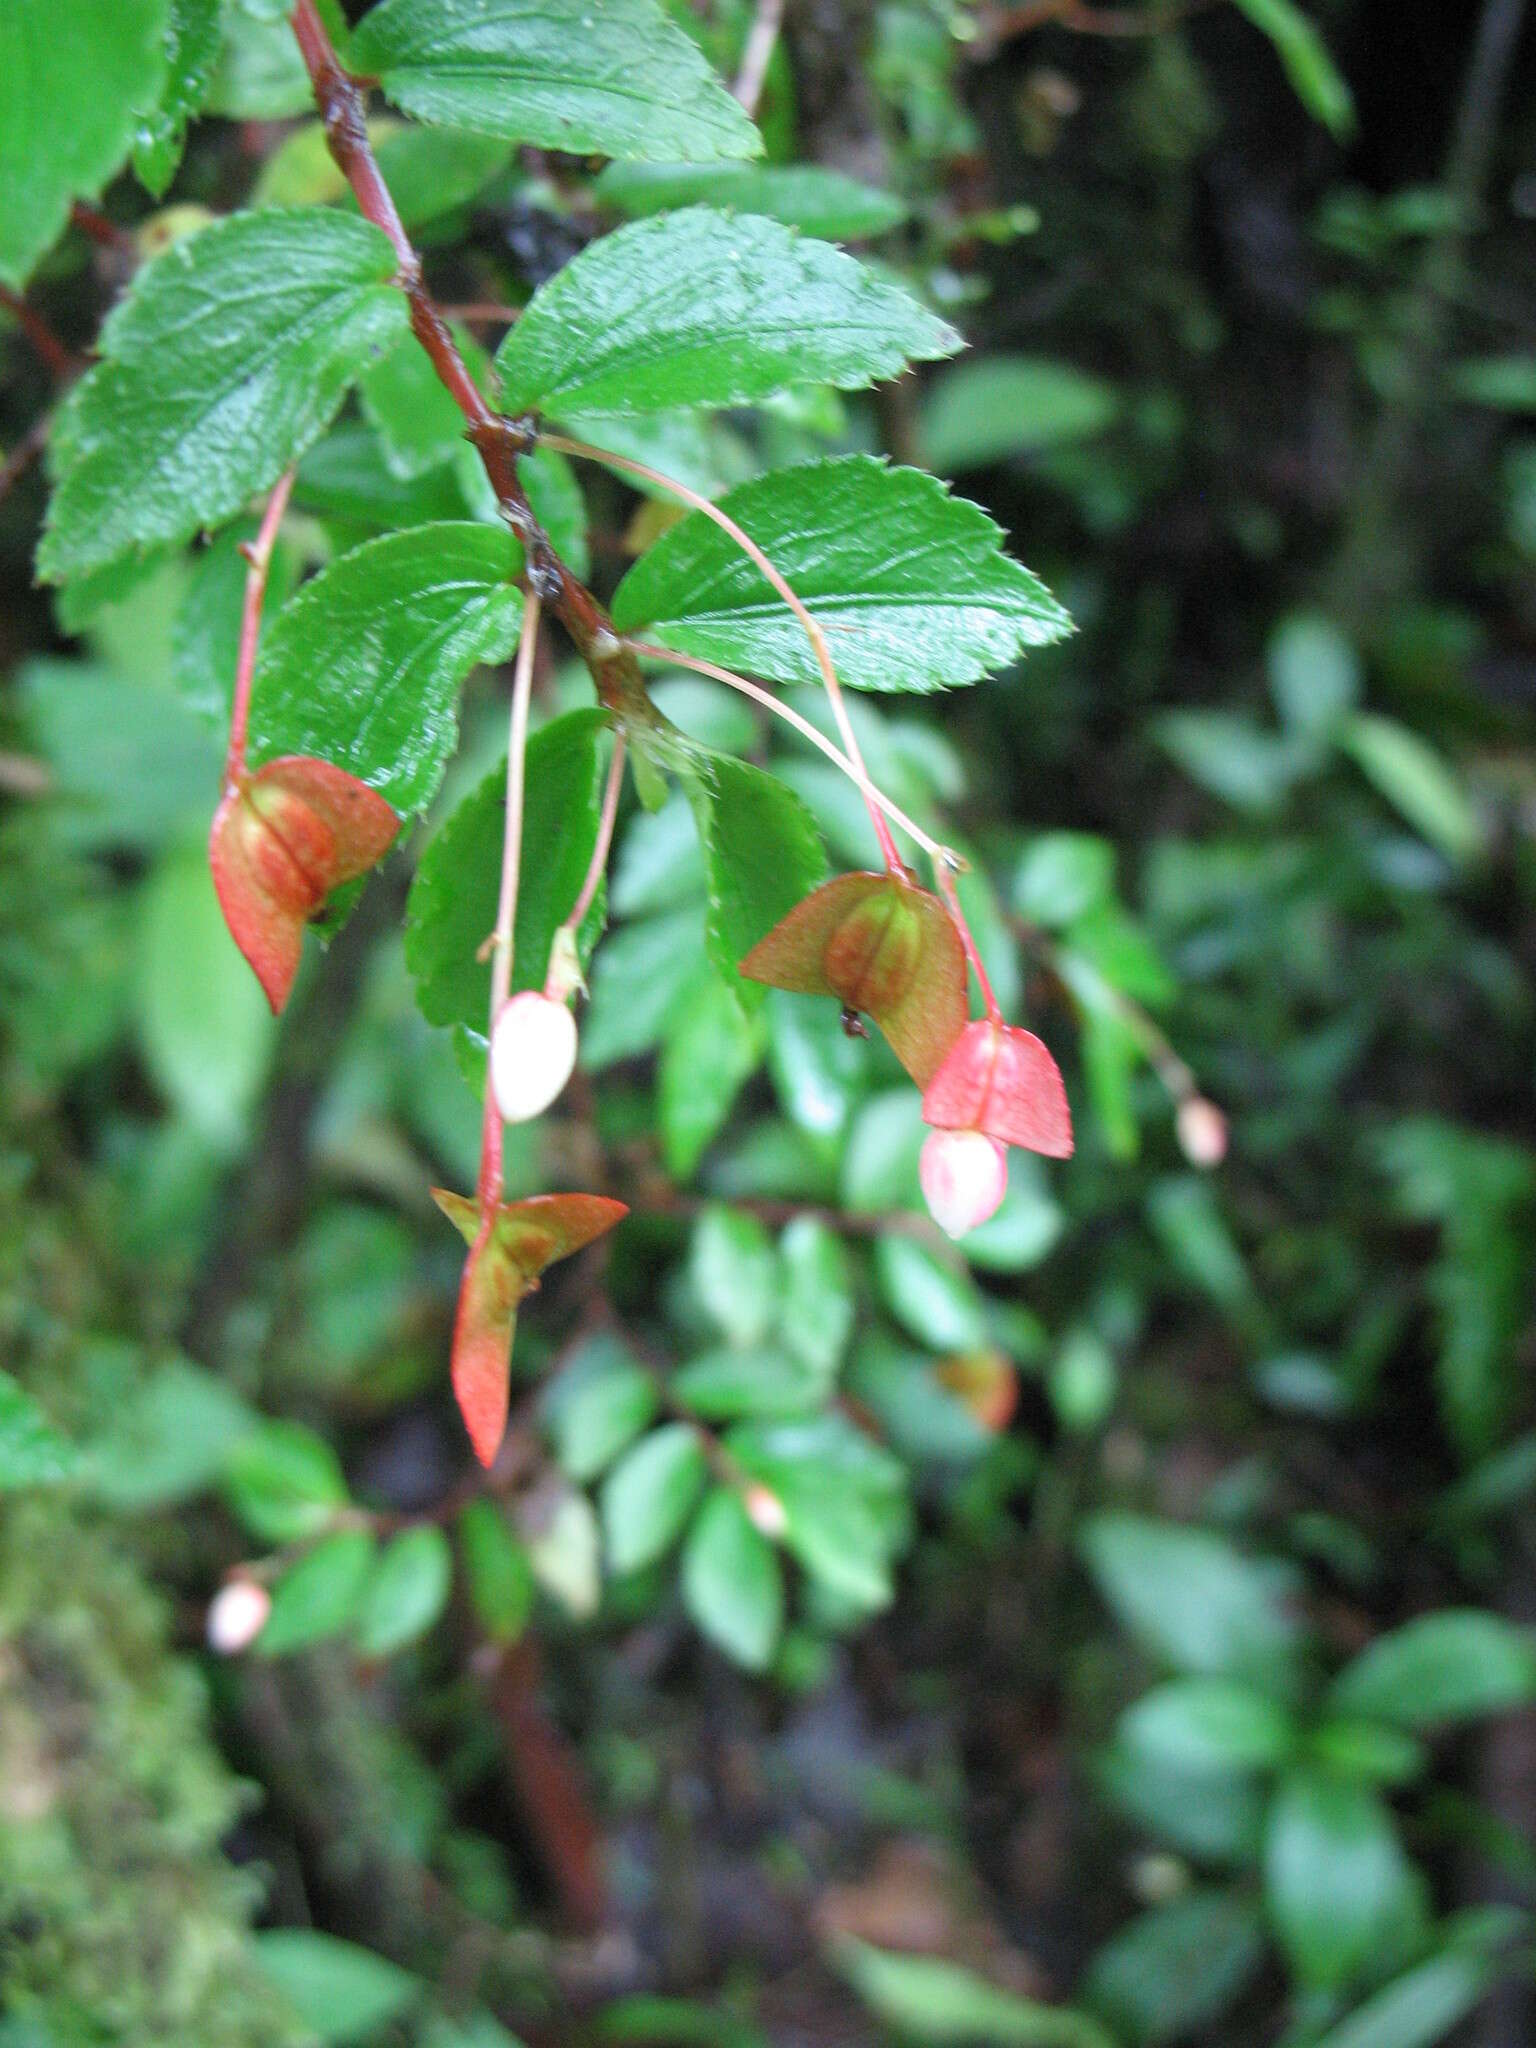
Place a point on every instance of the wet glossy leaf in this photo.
(534, 71)
(749, 309)
(75, 78)
(207, 386)
(909, 584)
(363, 666)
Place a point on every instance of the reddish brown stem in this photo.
(482, 310)
(549, 1786)
(24, 454)
(951, 895)
(258, 553)
(498, 441)
(60, 361)
(91, 221)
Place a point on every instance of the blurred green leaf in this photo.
(496, 1571)
(1000, 406)
(1339, 1889)
(1315, 78)
(732, 1585)
(342, 1993)
(283, 1482)
(650, 1493)
(1175, 1969)
(407, 1592)
(320, 1595)
(1450, 1666)
(1193, 1600)
(600, 1401)
(928, 1999)
(1415, 780)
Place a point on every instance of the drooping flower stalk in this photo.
(564, 948)
(813, 632)
(506, 907)
(258, 555)
(806, 730)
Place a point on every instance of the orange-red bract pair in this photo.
(882, 946)
(509, 1247)
(1002, 1081)
(282, 840)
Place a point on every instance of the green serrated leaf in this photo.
(705, 308)
(617, 81)
(228, 357)
(452, 905)
(732, 1585)
(804, 196)
(194, 37)
(32, 1453)
(363, 666)
(650, 1493)
(75, 78)
(909, 584)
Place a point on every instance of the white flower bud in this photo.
(765, 1511)
(533, 1049)
(964, 1176)
(237, 1614)
(1202, 1131)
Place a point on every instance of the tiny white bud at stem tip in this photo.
(237, 1614)
(533, 1049)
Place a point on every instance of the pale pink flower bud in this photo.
(533, 1049)
(765, 1511)
(237, 1614)
(964, 1176)
(1202, 1131)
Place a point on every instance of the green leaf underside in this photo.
(909, 584)
(193, 41)
(762, 854)
(363, 665)
(74, 79)
(705, 308)
(993, 407)
(452, 907)
(804, 196)
(228, 357)
(609, 77)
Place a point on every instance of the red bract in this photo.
(1002, 1081)
(509, 1247)
(880, 945)
(282, 840)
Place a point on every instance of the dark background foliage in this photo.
(1302, 486)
